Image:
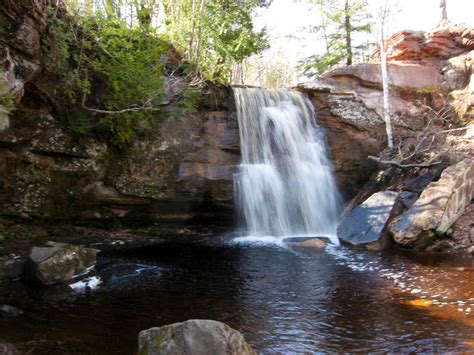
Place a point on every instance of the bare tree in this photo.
(383, 66)
(193, 30)
(198, 47)
(444, 12)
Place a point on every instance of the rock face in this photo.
(438, 207)
(352, 132)
(58, 263)
(366, 224)
(182, 171)
(446, 41)
(193, 337)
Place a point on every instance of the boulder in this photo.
(437, 208)
(58, 263)
(193, 337)
(307, 243)
(11, 268)
(366, 224)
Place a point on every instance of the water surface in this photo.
(282, 299)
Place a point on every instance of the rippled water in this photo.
(282, 299)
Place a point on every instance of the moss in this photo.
(164, 333)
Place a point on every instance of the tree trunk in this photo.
(193, 30)
(198, 47)
(324, 25)
(386, 100)
(444, 12)
(348, 30)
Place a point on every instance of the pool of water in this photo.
(283, 299)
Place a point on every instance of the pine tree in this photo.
(341, 21)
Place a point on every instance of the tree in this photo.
(383, 13)
(214, 35)
(340, 22)
(444, 12)
(211, 35)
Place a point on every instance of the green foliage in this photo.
(341, 22)
(216, 37)
(2, 238)
(7, 102)
(188, 102)
(107, 64)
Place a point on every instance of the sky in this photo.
(286, 19)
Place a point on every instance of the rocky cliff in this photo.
(180, 171)
(431, 96)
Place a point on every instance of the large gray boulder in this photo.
(438, 207)
(193, 337)
(58, 263)
(366, 224)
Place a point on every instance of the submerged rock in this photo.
(438, 207)
(366, 224)
(58, 263)
(196, 337)
(7, 311)
(309, 243)
(8, 349)
(11, 268)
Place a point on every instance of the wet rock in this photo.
(438, 207)
(193, 337)
(7, 311)
(11, 268)
(349, 141)
(366, 224)
(58, 263)
(310, 243)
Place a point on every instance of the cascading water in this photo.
(285, 185)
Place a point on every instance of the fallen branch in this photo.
(455, 129)
(400, 165)
(118, 112)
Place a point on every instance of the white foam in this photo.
(90, 283)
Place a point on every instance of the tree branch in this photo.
(400, 165)
(130, 109)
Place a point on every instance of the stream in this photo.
(283, 299)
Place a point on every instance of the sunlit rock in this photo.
(438, 207)
(193, 337)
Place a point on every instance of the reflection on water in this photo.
(281, 299)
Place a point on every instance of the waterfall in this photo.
(284, 186)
